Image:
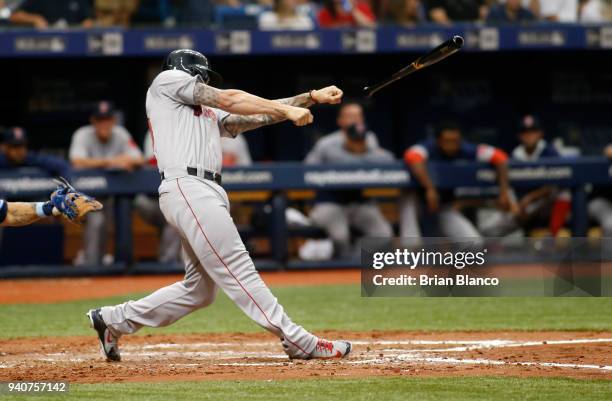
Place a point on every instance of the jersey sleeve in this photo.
(176, 85)
(3, 210)
(53, 165)
(417, 153)
(316, 155)
(128, 145)
(490, 154)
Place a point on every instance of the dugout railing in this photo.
(576, 174)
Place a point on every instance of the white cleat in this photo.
(323, 350)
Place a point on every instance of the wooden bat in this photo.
(441, 52)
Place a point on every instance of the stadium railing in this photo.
(575, 173)
(157, 42)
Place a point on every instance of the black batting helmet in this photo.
(193, 63)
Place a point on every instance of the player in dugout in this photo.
(534, 204)
(448, 146)
(337, 211)
(102, 144)
(15, 154)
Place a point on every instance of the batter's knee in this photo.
(204, 292)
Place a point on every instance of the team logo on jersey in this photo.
(208, 113)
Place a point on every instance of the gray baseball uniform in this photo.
(85, 144)
(184, 136)
(336, 211)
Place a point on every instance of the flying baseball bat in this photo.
(438, 54)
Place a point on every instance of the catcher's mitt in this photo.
(72, 204)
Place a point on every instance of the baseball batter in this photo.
(188, 116)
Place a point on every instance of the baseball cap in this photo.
(15, 136)
(529, 123)
(103, 109)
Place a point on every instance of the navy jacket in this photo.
(52, 165)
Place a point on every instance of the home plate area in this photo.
(260, 356)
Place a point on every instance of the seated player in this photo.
(448, 145)
(546, 202)
(337, 211)
(64, 201)
(103, 144)
(15, 154)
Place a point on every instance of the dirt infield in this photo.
(584, 355)
(71, 289)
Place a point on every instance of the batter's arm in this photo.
(22, 214)
(235, 101)
(236, 124)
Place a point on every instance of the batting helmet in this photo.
(193, 63)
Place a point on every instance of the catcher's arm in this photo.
(22, 213)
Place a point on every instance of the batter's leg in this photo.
(200, 212)
(166, 305)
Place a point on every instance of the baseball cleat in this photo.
(323, 350)
(108, 342)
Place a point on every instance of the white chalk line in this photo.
(445, 361)
(391, 354)
(481, 343)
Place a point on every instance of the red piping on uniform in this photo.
(230, 272)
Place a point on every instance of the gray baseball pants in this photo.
(336, 220)
(215, 257)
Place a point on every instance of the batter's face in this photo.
(449, 142)
(349, 115)
(15, 154)
(104, 127)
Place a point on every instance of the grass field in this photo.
(338, 308)
(342, 308)
(375, 389)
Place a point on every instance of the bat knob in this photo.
(458, 41)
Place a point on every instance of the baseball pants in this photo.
(215, 257)
(600, 210)
(337, 219)
(452, 223)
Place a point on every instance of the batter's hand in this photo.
(329, 95)
(299, 115)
